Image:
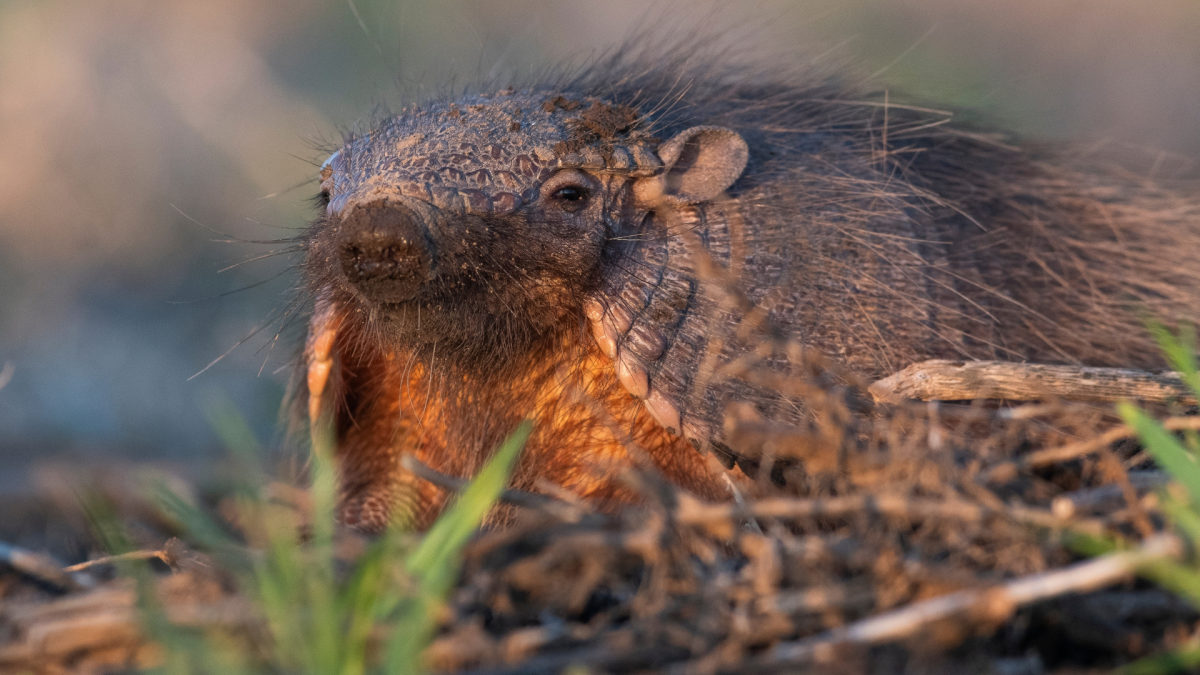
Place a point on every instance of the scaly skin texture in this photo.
(636, 267)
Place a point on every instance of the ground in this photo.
(927, 505)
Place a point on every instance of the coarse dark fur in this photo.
(871, 233)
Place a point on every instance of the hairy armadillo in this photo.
(604, 253)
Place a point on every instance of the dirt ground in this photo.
(931, 538)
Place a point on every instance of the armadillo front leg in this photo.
(374, 489)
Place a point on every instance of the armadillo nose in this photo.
(383, 251)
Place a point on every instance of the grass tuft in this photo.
(1179, 456)
(321, 617)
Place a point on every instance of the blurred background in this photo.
(132, 129)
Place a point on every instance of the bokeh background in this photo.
(133, 129)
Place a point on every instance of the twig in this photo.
(823, 598)
(990, 605)
(694, 512)
(529, 500)
(603, 657)
(562, 494)
(132, 555)
(1064, 453)
(750, 524)
(939, 380)
(1110, 464)
(1072, 503)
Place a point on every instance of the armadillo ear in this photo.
(701, 163)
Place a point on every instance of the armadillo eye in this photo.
(570, 198)
(571, 193)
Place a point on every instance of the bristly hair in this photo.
(898, 216)
(1006, 249)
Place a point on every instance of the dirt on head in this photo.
(654, 254)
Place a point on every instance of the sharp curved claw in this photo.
(318, 351)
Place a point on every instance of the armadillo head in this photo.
(480, 224)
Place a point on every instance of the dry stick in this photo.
(819, 599)
(1064, 453)
(694, 512)
(1089, 499)
(1028, 411)
(939, 380)
(992, 604)
(1076, 450)
(132, 555)
(1110, 464)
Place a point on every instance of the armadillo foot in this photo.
(368, 513)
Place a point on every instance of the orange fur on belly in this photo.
(588, 430)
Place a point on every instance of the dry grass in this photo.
(931, 541)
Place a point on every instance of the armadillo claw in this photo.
(322, 344)
(318, 351)
(318, 377)
(663, 411)
(632, 376)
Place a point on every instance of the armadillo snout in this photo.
(383, 251)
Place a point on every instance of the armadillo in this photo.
(610, 254)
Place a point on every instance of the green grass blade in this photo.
(1165, 449)
(326, 621)
(454, 528)
(367, 590)
(1182, 516)
(1180, 351)
(1179, 579)
(185, 650)
(319, 623)
(1090, 545)
(434, 564)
